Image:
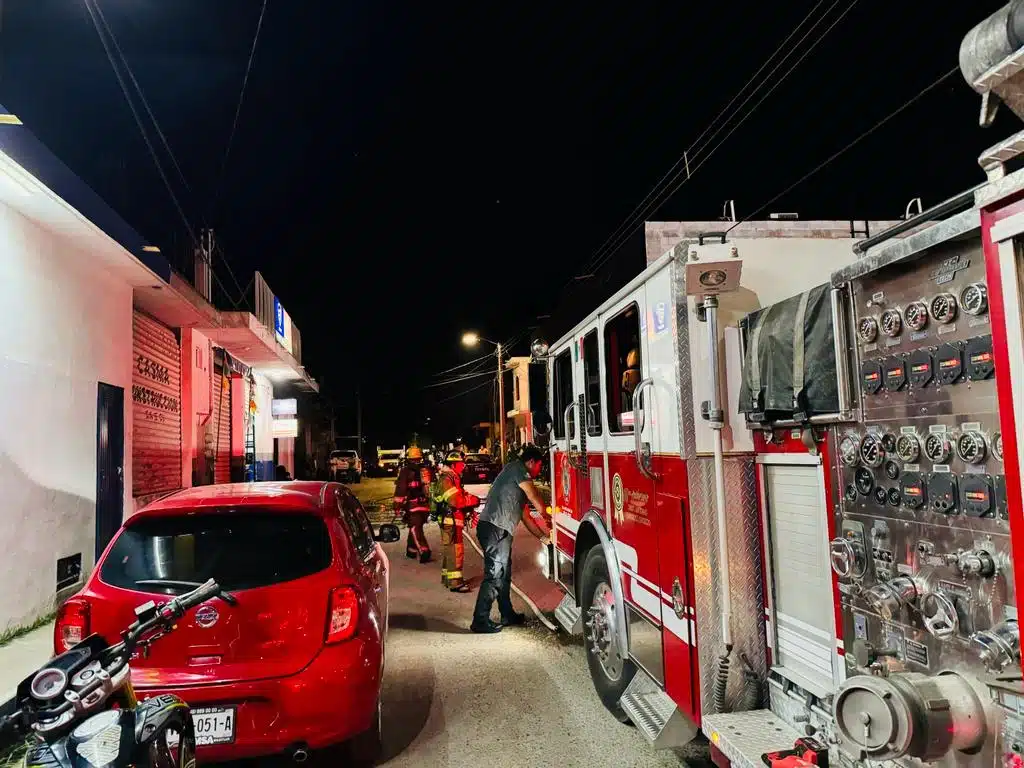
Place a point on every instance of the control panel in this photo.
(922, 552)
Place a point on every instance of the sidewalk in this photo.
(23, 656)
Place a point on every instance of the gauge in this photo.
(880, 495)
(892, 470)
(871, 451)
(974, 299)
(48, 684)
(912, 491)
(908, 447)
(943, 308)
(937, 448)
(867, 329)
(916, 315)
(863, 480)
(849, 450)
(970, 447)
(894, 498)
(850, 493)
(889, 442)
(892, 322)
(997, 446)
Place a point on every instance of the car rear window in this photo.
(241, 550)
(343, 454)
(476, 459)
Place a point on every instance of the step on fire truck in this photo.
(787, 491)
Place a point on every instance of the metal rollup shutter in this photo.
(804, 617)
(156, 408)
(222, 428)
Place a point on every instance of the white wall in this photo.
(66, 325)
(264, 434)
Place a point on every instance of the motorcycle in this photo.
(80, 711)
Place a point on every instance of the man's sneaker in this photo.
(490, 628)
(515, 620)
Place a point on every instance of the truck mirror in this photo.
(541, 422)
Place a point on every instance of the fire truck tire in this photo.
(611, 675)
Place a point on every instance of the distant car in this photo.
(346, 467)
(389, 461)
(296, 664)
(480, 468)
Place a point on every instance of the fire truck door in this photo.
(633, 515)
(564, 442)
(590, 475)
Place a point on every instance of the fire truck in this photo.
(786, 478)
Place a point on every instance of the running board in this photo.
(655, 715)
(569, 616)
(744, 736)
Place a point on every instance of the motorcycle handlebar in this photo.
(199, 595)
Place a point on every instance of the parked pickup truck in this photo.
(389, 461)
(346, 467)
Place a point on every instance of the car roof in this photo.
(294, 496)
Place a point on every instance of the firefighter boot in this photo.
(455, 555)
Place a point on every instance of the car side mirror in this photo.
(542, 422)
(388, 534)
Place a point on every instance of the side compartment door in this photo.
(631, 514)
(564, 437)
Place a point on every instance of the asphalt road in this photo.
(519, 698)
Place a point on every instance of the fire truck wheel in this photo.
(610, 672)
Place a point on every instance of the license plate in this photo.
(214, 725)
(342, 465)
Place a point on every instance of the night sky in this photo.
(404, 172)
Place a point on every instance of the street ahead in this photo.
(519, 698)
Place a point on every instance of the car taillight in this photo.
(71, 626)
(342, 615)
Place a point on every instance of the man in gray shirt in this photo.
(503, 510)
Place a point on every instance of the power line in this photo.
(138, 120)
(857, 140)
(684, 158)
(459, 379)
(463, 365)
(238, 108)
(654, 205)
(142, 96)
(465, 392)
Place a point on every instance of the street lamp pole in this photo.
(501, 407)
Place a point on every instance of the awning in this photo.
(243, 337)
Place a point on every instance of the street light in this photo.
(471, 339)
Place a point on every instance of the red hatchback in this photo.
(296, 664)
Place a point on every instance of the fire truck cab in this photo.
(786, 480)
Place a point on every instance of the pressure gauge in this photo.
(889, 442)
(937, 448)
(943, 308)
(908, 448)
(849, 450)
(916, 315)
(867, 329)
(970, 447)
(974, 299)
(997, 446)
(864, 481)
(871, 451)
(892, 322)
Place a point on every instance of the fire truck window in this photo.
(563, 395)
(592, 387)
(624, 367)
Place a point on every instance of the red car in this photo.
(296, 664)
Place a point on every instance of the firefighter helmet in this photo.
(414, 453)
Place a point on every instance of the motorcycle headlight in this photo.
(98, 739)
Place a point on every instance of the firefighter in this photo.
(412, 502)
(454, 510)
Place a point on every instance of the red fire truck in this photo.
(785, 475)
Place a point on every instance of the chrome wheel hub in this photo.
(603, 628)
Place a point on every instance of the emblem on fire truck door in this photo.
(618, 498)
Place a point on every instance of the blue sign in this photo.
(278, 317)
(660, 317)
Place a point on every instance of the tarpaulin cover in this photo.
(790, 365)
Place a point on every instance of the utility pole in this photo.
(501, 406)
(359, 425)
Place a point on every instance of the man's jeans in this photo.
(497, 583)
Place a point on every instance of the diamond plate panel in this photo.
(681, 333)
(747, 584)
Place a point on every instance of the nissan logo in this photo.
(207, 616)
